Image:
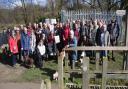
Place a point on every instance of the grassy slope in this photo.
(36, 75)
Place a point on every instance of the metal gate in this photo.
(87, 15)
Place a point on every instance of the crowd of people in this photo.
(34, 43)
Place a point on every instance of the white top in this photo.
(52, 28)
(42, 49)
(33, 42)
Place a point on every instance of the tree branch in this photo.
(87, 2)
(13, 3)
(113, 5)
(100, 6)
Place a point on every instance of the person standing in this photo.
(40, 54)
(72, 43)
(32, 47)
(113, 29)
(66, 34)
(98, 34)
(105, 40)
(18, 37)
(58, 32)
(25, 45)
(13, 47)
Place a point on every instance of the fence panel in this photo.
(86, 15)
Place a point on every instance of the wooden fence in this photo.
(87, 74)
(75, 86)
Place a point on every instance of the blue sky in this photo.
(8, 3)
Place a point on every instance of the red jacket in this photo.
(66, 34)
(51, 38)
(76, 34)
(13, 45)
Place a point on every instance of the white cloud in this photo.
(18, 3)
(42, 2)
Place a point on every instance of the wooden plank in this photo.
(85, 84)
(60, 70)
(127, 41)
(117, 76)
(73, 64)
(98, 72)
(43, 86)
(97, 60)
(98, 48)
(124, 61)
(104, 72)
(98, 86)
(48, 84)
(66, 61)
(109, 76)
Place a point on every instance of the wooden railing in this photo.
(87, 74)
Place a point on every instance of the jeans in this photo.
(51, 48)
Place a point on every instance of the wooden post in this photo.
(60, 70)
(73, 64)
(97, 60)
(85, 73)
(104, 72)
(48, 84)
(127, 40)
(66, 62)
(124, 60)
(43, 86)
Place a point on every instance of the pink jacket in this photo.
(13, 45)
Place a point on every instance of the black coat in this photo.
(98, 37)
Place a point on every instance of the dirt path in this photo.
(19, 86)
(8, 75)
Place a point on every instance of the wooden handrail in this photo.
(98, 48)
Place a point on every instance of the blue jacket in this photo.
(73, 43)
(25, 41)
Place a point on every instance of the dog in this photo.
(55, 75)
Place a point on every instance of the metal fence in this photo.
(87, 15)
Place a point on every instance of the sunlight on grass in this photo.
(35, 74)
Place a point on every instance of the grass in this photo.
(50, 67)
(36, 74)
(112, 66)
